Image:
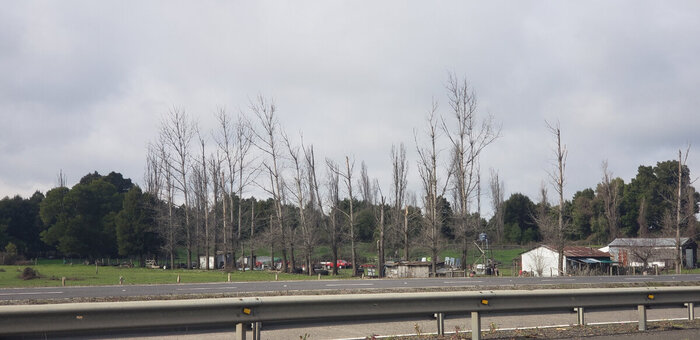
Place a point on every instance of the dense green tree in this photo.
(21, 225)
(365, 224)
(582, 214)
(518, 218)
(652, 192)
(81, 221)
(135, 226)
(446, 214)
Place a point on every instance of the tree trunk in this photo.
(679, 254)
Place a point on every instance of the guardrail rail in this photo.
(73, 318)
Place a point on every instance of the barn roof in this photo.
(578, 251)
(647, 242)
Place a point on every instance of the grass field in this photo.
(52, 271)
(88, 275)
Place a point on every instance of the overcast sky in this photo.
(84, 84)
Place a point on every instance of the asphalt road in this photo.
(164, 290)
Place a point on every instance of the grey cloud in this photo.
(84, 84)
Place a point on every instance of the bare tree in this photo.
(252, 235)
(468, 136)
(246, 172)
(167, 219)
(333, 227)
(177, 131)
(399, 172)
(610, 192)
(366, 190)
(199, 207)
(497, 198)
(215, 162)
(61, 179)
(153, 177)
(381, 251)
(267, 142)
(557, 178)
(225, 140)
(682, 186)
(201, 179)
(644, 250)
(347, 178)
(433, 187)
(539, 261)
(307, 231)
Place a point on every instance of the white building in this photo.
(544, 261)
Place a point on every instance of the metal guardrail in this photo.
(18, 320)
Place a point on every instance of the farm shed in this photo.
(543, 261)
(650, 252)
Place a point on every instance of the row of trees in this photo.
(644, 207)
(195, 183)
(125, 221)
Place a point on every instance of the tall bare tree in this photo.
(333, 227)
(215, 239)
(609, 190)
(680, 218)
(381, 256)
(201, 180)
(347, 177)
(556, 176)
(226, 142)
(366, 190)
(497, 198)
(177, 131)
(268, 142)
(246, 172)
(168, 225)
(299, 178)
(469, 136)
(433, 186)
(399, 173)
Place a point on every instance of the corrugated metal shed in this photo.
(647, 242)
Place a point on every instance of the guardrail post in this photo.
(476, 326)
(642, 311)
(580, 318)
(256, 330)
(691, 310)
(240, 332)
(441, 324)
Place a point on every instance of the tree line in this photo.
(193, 197)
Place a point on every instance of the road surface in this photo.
(282, 287)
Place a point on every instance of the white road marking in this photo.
(206, 288)
(635, 278)
(470, 281)
(349, 284)
(10, 294)
(558, 280)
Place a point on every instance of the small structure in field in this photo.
(408, 269)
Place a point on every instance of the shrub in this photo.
(29, 273)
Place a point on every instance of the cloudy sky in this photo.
(85, 84)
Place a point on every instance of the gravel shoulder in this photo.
(655, 330)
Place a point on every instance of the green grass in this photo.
(86, 275)
(52, 270)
